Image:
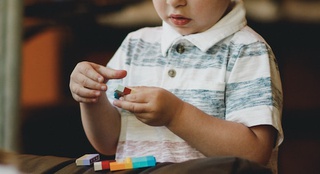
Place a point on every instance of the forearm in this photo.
(216, 137)
(101, 122)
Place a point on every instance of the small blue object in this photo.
(116, 95)
(151, 161)
(140, 162)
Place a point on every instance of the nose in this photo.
(177, 3)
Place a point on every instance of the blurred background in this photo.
(57, 34)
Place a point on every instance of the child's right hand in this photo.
(88, 81)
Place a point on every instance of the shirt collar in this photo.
(229, 24)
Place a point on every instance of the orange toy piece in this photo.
(121, 165)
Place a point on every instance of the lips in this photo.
(179, 20)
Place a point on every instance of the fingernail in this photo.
(100, 79)
(115, 102)
(103, 88)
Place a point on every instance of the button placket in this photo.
(179, 48)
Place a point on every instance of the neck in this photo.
(229, 8)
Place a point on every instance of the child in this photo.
(204, 84)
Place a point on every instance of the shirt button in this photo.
(180, 49)
(172, 73)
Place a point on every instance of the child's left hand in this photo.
(151, 105)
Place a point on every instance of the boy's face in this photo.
(191, 16)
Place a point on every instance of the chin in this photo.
(185, 32)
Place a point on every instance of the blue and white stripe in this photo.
(233, 79)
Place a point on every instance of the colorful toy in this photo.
(121, 165)
(127, 163)
(87, 160)
(102, 165)
(133, 163)
(121, 91)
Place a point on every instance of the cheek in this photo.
(159, 6)
(215, 16)
(204, 23)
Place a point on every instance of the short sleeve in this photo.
(253, 91)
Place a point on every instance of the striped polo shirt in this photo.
(228, 72)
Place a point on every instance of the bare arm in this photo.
(210, 135)
(101, 121)
(216, 137)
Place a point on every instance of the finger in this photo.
(136, 98)
(109, 73)
(84, 100)
(86, 82)
(87, 69)
(84, 92)
(131, 107)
